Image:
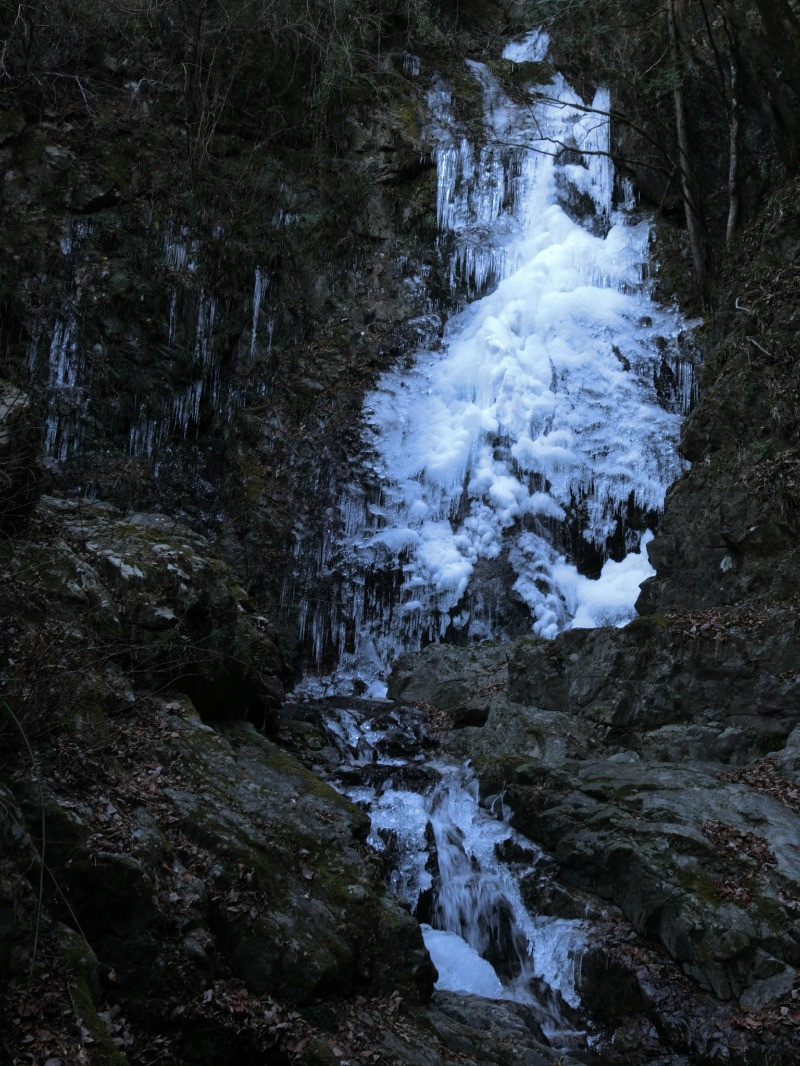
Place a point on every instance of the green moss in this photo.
(698, 883)
(84, 993)
(408, 121)
(309, 783)
(318, 1053)
(494, 772)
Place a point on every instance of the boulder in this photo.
(146, 594)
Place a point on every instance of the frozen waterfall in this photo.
(542, 435)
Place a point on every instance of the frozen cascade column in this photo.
(535, 441)
(68, 377)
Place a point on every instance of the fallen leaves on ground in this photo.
(762, 777)
(733, 842)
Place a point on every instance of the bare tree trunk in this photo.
(783, 33)
(734, 133)
(695, 226)
(775, 94)
(730, 83)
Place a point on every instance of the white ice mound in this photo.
(460, 967)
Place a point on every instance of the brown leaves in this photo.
(394, 1004)
(734, 889)
(782, 1015)
(735, 843)
(260, 1018)
(117, 1026)
(721, 623)
(762, 777)
(39, 1029)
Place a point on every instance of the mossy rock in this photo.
(84, 996)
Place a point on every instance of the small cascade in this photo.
(538, 442)
(443, 853)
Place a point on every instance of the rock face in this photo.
(20, 445)
(97, 601)
(730, 526)
(197, 866)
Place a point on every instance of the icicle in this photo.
(173, 317)
(179, 251)
(260, 287)
(411, 64)
(65, 393)
(594, 141)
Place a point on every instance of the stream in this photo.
(510, 480)
(453, 861)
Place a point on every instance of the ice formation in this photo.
(554, 402)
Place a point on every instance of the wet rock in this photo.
(300, 838)
(91, 197)
(637, 834)
(498, 1033)
(787, 762)
(655, 673)
(610, 749)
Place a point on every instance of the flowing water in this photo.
(528, 453)
(458, 866)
